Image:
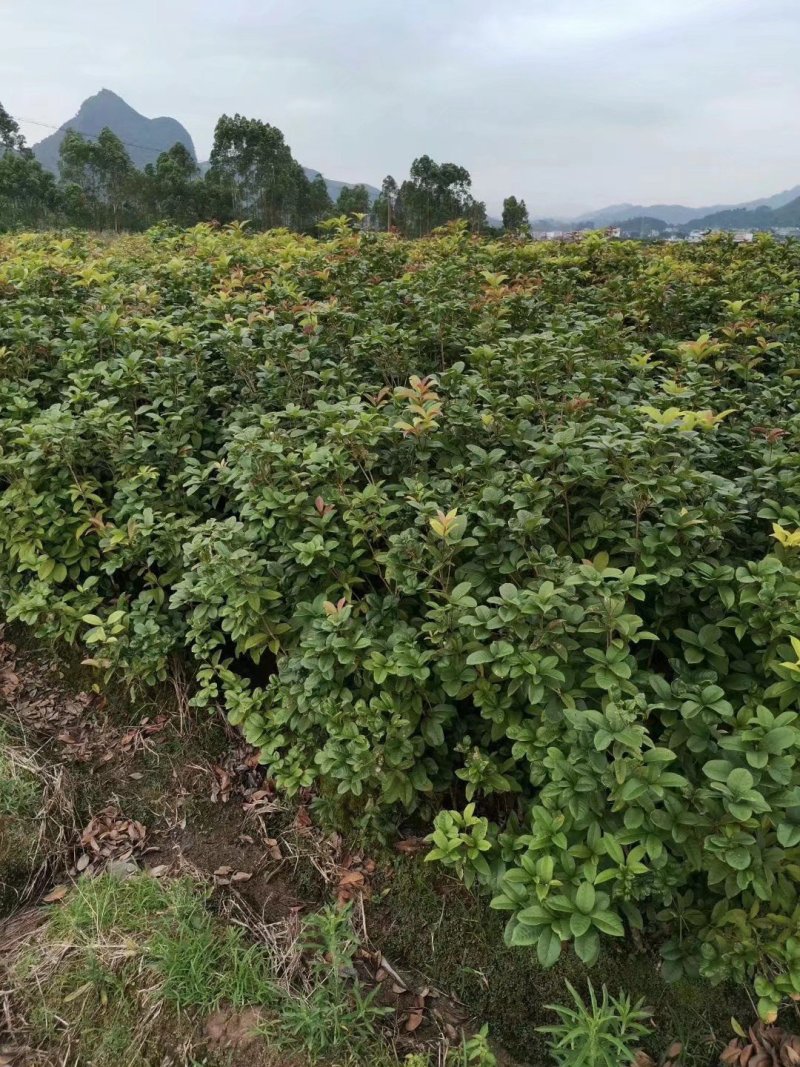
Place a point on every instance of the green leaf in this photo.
(738, 858)
(608, 923)
(548, 947)
(579, 923)
(588, 947)
(740, 781)
(717, 769)
(481, 656)
(585, 898)
(523, 936)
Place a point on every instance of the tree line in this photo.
(251, 175)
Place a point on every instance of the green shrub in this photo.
(445, 523)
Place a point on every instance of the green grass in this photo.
(19, 788)
(20, 801)
(118, 953)
(196, 961)
(19, 793)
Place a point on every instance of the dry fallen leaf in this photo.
(221, 786)
(413, 1022)
(9, 683)
(56, 893)
(410, 845)
(302, 820)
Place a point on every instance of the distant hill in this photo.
(678, 214)
(145, 139)
(757, 218)
(334, 187)
(641, 225)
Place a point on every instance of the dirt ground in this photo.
(145, 784)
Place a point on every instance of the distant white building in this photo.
(743, 237)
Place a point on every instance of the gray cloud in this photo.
(569, 103)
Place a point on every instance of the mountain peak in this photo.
(144, 138)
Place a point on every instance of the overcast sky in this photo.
(572, 104)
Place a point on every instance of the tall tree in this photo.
(173, 187)
(315, 204)
(11, 140)
(434, 193)
(100, 178)
(383, 215)
(515, 215)
(353, 200)
(117, 174)
(253, 173)
(475, 214)
(29, 195)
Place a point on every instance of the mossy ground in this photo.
(434, 925)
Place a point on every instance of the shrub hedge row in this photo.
(500, 533)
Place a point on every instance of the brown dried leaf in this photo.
(302, 820)
(351, 878)
(9, 683)
(413, 1022)
(56, 893)
(410, 845)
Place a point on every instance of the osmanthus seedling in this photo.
(498, 535)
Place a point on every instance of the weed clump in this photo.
(119, 955)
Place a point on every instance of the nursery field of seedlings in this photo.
(487, 550)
